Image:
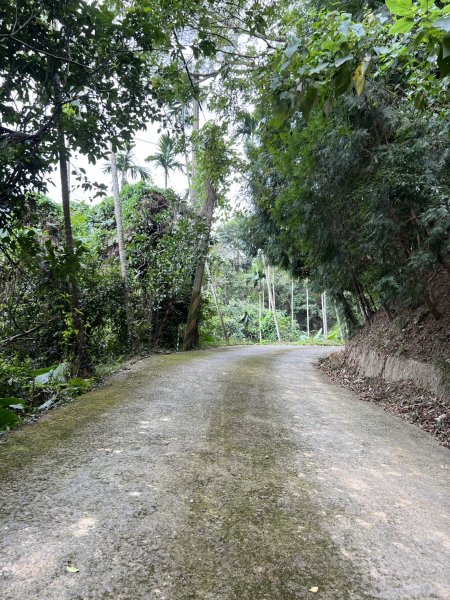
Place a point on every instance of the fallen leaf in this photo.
(314, 589)
(71, 569)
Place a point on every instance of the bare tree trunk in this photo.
(191, 334)
(292, 305)
(307, 312)
(364, 307)
(186, 160)
(324, 315)
(216, 302)
(271, 299)
(338, 319)
(122, 255)
(195, 127)
(273, 289)
(82, 359)
(160, 325)
(260, 314)
(269, 294)
(350, 320)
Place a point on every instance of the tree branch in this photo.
(18, 336)
(64, 59)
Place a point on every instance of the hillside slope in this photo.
(403, 363)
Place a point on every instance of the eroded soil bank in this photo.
(230, 474)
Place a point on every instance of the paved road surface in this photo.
(233, 474)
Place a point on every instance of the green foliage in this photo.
(214, 159)
(165, 158)
(240, 283)
(347, 169)
(127, 166)
(99, 70)
(385, 229)
(161, 237)
(329, 53)
(28, 388)
(8, 419)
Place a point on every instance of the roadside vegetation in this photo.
(331, 118)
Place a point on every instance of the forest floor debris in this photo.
(403, 399)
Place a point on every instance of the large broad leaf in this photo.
(359, 30)
(319, 68)
(6, 402)
(359, 76)
(420, 101)
(443, 23)
(292, 49)
(307, 101)
(277, 121)
(402, 8)
(8, 419)
(208, 47)
(342, 79)
(402, 26)
(444, 61)
(445, 43)
(56, 375)
(340, 61)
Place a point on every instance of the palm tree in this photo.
(122, 251)
(127, 166)
(165, 157)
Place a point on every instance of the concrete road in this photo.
(231, 474)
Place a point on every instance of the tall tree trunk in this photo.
(292, 305)
(260, 314)
(186, 159)
(338, 319)
(307, 312)
(161, 323)
(216, 302)
(77, 320)
(363, 304)
(324, 315)
(350, 320)
(191, 334)
(195, 127)
(271, 300)
(166, 177)
(273, 290)
(122, 255)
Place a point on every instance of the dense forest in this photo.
(330, 118)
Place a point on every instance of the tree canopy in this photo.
(331, 117)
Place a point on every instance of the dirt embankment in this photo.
(403, 364)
